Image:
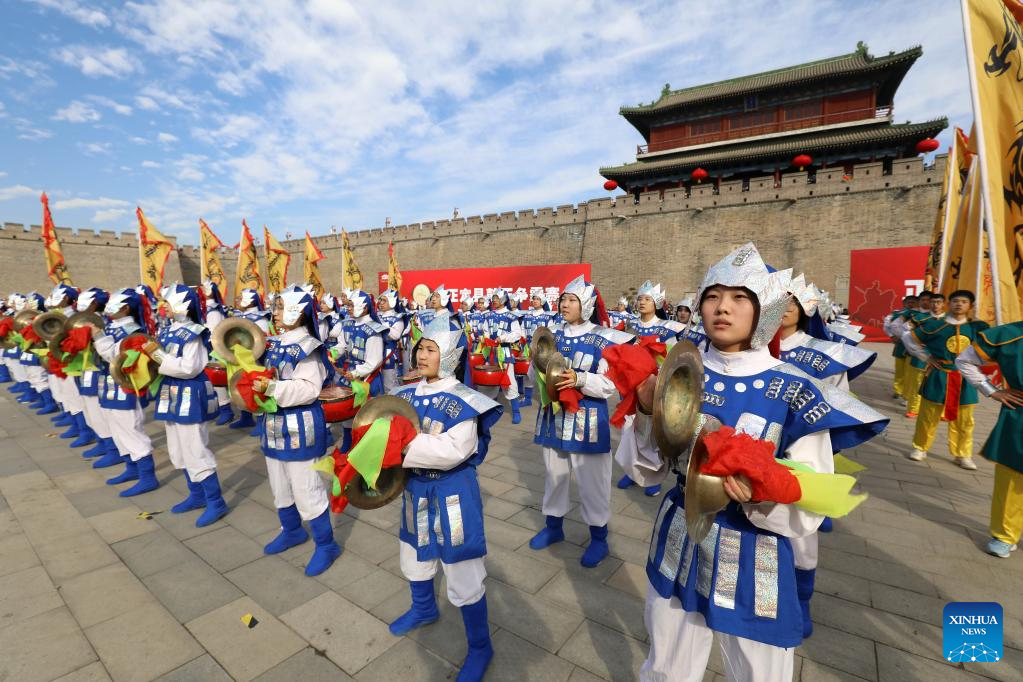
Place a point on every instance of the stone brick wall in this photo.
(671, 238)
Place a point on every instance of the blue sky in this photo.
(306, 115)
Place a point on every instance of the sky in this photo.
(307, 115)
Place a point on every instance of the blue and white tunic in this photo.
(111, 395)
(664, 330)
(587, 431)
(830, 361)
(533, 319)
(261, 318)
(395, 328)
(363, 341)
(186, 395)
(297, 431)
(620, 319)
(741, 577)
(442, 509)
(502, 326)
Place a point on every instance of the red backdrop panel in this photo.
(476, 282)
(878, 279)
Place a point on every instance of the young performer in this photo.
(1002, 345)
(538, 315)
(36, 376)
(893, 328)
(651, 322)
(215, 314)
(12, 357)
(579, 443)
(392, 317)
(296, 433)
(442, 512)
(943, 397)
(62, 299)
(621, 317)
(251, 308)
(129, 313)
(363, 341)
(329, 319)
(88, 383)
(740, 581)
(915, 367)
(186, 401)
(499, 332)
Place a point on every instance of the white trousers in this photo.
(680, 644)
(17, 370)
(592, 477)
(127, 431)
(464, 578)
(295, 483)
(36, 377)
(187, 448)
(54, 385)
(69, 394)
(390, 378)
(94, 416)
(804, 551)
(511, 393)
(223, 397)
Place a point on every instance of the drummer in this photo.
(740, 581)
(251, 308)
(538, 315)
(296, 434)
(330, 319)
(498, 333)
(215, 314)
(362, 350)
(391, 316)
(442, 512)
(622, 316)
(578, 444)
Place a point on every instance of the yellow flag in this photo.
(393, 273)
(277, 261)
(351, 276)
(209, 260)
(310, 268)
(55, 266)
(962, 266)
(154, 250)
(994, 55)
(247, 275)
(956, 166)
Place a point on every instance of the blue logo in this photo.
(972, 632)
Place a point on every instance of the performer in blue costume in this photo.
(251, 308)
(622, 316)
(651, 321)
(538, 315)
(129, 313)
(296, 434)
(579, 443)
(215, 314)
(442, 511)
(88, 384)
(37, 377)
(186, 402)
(740, 581)
(391, 313)
(499, 331)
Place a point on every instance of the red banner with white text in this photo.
(878, 279)
(472, 283)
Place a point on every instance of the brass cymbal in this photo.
(678, 399)
(705, 494)
(557, 367)
(49, 325)
(391, 481)
(118, 375)
(542, 348)
(238, 330)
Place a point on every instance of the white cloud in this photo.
(28, 131)
(147, 103)
(3, 110)
(90, 16)
(166, 138)
(150, 164)
(3, 174)
(77, 112)
(16, 191)
(96, 148)
(101, 202)
(109, 215)
(116, 106)
(138, 140)
(115, 62)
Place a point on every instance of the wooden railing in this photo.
(766, 129)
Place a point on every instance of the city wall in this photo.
(671, 237)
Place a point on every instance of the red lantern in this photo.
(699, 175)
(802, 161)
(927, 145)
(610, 185)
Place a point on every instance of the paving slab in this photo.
(104, 593)
(409, 662)
(308, 665)
(190, 589)
(275, 584)
(203, 668)
(604, 652)
(43, 647)
(25, 594)
(142, 644)
(225, 548)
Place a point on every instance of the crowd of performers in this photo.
(777, 366)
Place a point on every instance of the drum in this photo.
(413, 377)
(521, 366)
(477, 359)
(217, 374)
(338, 404)
(488, 375)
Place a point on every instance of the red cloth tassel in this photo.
(6, 326)
(653, 346)
(77, 340)
(569, 399)
(29, 334)
(733, 453)
(56, 367)
(248, 394)
(953, 389)
(627, 367)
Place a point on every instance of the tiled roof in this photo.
(819, 142)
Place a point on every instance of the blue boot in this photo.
(72, 431)
(5, 374)
(62, 418)
(652, 490)
(40, 400)
(225, 414)
(292, 533)
(826, 525)
(112, 457)
(527, 401)
(29, 396)
(625, 482)
(554, 532)
(257, 430)
(146, 471)
(196, 498)
(18, 387)
(597, 550)
(245, 421)
(516, 416)
(804, 590)
(100, 448)
(327, 549)
(49, 405)
(477, 634)
(130, 473)
(215, 505)
(86, 436)
(423, 612)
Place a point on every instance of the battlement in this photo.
(69, 236)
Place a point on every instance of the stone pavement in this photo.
(88, 591)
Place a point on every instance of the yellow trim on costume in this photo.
(980, 351)
(981, 335)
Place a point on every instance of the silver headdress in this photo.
(805, 294)
(688, 302)
(445, 295)
(654, 291)
(585, 292)
(439, 331)
(744, 267)
(391, 296)
(502, 296)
